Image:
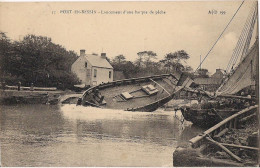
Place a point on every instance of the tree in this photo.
(119, 59)
(5, 50)
(203, 73)
(145, 58)
(188, 68)
(173, 61)
(129, 69)
(37, 60)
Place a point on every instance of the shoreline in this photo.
(31, 97)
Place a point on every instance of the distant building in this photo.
(92, 69)
(219, 74)
(211, 83)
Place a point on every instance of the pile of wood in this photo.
(232, 142)
(240, 145)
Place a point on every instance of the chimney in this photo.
(103, 55)
(82, 52)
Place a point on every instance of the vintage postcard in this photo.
(126, 84)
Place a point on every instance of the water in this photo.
(45, 135)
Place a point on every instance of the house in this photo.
(211, 83)
(92, 69)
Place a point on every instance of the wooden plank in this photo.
(247, 117)
(160, 86)
(34, 88)
(237, 97)
(225, 121)
(221, 133)
(239, 146)
(135, 91)
(135, 97)
(225, 149)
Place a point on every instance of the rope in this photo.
(250, 35)
(239, 43)
(220, 35)
(242, 39)
(242, 45)
(217, 39)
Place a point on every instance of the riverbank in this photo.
(30, 97)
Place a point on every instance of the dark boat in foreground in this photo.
(136, 94)
(234, 142)
(209, 113)
(206, 117)
(237, 90)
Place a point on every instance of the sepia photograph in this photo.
(129, 84)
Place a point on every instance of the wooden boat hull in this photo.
(137, 94)
(206, 117)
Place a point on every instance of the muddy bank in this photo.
(188, 157)
(29, 97)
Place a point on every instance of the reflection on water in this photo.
(42, 135)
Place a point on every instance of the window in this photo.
(86, 64)
(110, 74)
(95, 73)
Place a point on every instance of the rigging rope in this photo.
(240, 41)
(220, 35)
(216, 41)
(242, 46)
(249, 35)
(247, 41)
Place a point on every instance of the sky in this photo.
(179, 26)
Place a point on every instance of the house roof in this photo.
(207, 81)
(98, 61)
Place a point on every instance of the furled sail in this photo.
(244, 75)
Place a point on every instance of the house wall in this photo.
(78, 67)
(102, 75)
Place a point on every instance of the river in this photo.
(46, 135)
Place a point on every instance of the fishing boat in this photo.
(135, 94)
(231, 143)
(208, 113)
(238, 89)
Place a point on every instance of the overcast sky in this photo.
(185, 26)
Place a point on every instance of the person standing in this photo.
(19, 86)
